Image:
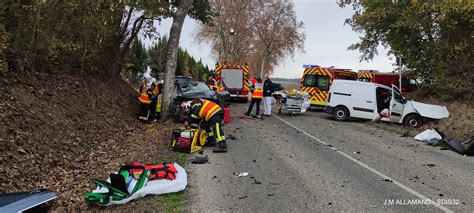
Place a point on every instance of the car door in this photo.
(396, 105)
(362, 101)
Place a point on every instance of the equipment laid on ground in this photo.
(137, 180)
(188, 140)
(292, 102)
(226, 114)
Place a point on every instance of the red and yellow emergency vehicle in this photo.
(317, 80)
(235, 79)
(386, 79)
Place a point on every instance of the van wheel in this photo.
(413, 120)
(340, 113)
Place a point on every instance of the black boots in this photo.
(221, 147)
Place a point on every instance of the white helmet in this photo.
(186, 105)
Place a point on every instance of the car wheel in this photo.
(340, 113)
(413, 120)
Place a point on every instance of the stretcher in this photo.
(292, 102)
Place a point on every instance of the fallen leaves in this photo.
(21, 150)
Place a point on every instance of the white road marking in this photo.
(406, 188)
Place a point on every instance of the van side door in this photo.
(396, 106)
(363, 101)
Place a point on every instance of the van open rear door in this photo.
(396, 106)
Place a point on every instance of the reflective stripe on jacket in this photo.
(144, 96)
(208, 109)
(158, 104)
(258, 91)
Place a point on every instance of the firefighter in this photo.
(154, 101)
(209, 115)
(254, 80)
(221, 86)
(143, 86)
(257, 95)
(213, 84)
(158, 101)
(145, 102)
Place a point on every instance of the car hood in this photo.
(199, 94)
(430, 110)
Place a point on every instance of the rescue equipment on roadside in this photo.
(157, 171)
(187, 140)
(226, 115)
(120, 186)
(135, 180)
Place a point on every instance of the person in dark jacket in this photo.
(268, 89)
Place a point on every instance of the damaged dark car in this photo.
(189, 90)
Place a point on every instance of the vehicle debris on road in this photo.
(435, 137)
(200, 160)
(429, 134)
(242, 174)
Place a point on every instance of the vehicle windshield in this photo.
(319, 81)
(194, 87)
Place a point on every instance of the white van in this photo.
(356, 99)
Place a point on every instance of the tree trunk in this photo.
(172, 55)
(262, 67)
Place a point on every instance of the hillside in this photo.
(60, 130)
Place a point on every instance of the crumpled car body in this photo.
(430, 110)
(188, 91)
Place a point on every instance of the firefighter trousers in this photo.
(256, 102)
(144, 112)
(214, 129)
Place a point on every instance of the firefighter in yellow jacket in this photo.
(146, 93)
(257, 95)
(209, 115)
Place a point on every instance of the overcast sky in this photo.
(327, 39)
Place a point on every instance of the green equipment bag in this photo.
(117, 188)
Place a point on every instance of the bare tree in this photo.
(277, 33)
(266, 31)
(172, 54)
(231, 15)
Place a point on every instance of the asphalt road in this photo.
(311, 163)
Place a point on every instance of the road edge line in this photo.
(406, 188)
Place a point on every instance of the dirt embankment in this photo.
(459, 125)
(60, 130)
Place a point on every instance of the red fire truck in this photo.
(235, 78)
(317, 80)
(387, 79)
